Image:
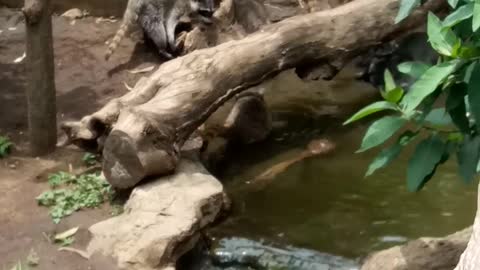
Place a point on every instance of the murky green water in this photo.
(325, 203)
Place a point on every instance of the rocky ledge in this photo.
(421, 254)
(162, 219)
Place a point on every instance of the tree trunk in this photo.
(40, 77)
(470, 259)
(150, 124)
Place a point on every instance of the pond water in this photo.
(326, 204)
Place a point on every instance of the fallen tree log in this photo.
(145, 128)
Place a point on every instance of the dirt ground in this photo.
(84, 82)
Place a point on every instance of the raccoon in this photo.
(159, 20)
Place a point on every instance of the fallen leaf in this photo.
(141, 70)
(12, 28)
(82, 253)
(20, 59)
(66, 234)
(33, 258)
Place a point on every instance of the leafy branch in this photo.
(456, 76)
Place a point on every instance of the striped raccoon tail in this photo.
(128, 20)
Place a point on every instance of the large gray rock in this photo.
(421, 254)
(161, 219)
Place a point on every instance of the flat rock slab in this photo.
(422, 254)
(161, 220)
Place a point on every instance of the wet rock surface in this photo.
(421, 254)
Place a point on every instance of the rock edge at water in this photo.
(422, 254)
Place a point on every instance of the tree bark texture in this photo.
(41, 97)
(470, 259)
(146, 127)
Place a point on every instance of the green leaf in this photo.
(462, 13)
(423, 162)
(467, 72)
(413, 69)
(438, 117)
(389, 82)
(370, 109)
(473, 92)
(406, 7)
(453, 3)
(476, 16)
(443, 40)
(427, 84)
(380, 131)
(394, 95)
(455, 105)
(387, 155)
(467, 157)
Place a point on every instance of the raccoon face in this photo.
(204, 9)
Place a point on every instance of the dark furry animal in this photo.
(159, 20)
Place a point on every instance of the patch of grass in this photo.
(89, 159)
(66, 242)
(5, 146)
(70, 193)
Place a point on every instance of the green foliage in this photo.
(71, 193)
(5, 146)
(414, 69)
(389, 154)
(442, 39)
(456, 76)
(438, 117)
(89, 159)
(406, 7)
(371, 109)
(467, 157)
(455, 105)
(453, 3)
(427, 84)
(424, 161)
(473, 92)
(476, 16)
(380, 131)
(459, 15)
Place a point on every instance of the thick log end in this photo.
(126, 161)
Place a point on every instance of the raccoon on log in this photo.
(159, 20)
